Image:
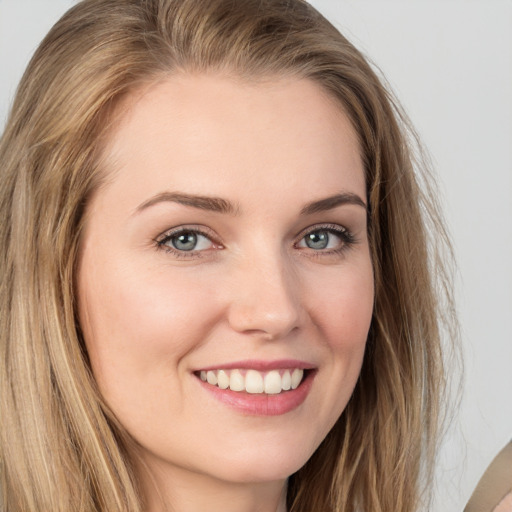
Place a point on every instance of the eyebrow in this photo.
(332, 202)
(213, 204)
(219, 205)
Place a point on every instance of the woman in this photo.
(244, 157)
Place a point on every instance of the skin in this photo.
(251, 290)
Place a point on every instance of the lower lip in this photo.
(263, 404)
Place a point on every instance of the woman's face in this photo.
(228, 244)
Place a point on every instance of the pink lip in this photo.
(262, 404)
(261, 366)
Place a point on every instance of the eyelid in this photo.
(347, 237)
(194, 228)
(335, 228)
(162, 239)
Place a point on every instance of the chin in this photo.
(265, 466)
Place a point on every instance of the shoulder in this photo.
(494, 490)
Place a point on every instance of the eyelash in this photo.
(346, 237)
(167, 237)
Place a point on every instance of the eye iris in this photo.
(317, 240)
(185, 241)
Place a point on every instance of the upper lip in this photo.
(260, 365)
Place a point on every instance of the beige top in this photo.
(494, 490)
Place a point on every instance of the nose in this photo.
(265, 298)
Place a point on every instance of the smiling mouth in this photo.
(273, 382)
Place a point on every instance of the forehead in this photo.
(210, 132)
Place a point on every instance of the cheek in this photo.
(138, 322)
(343, 314)
(341, 309)
(344, 308)
(138, 329)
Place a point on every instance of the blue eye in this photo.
(317, 240)
(186, 240)
(327, 239)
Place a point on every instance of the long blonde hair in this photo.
(61, 448)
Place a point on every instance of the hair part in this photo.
(61, 447)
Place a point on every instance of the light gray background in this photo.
(450, 63)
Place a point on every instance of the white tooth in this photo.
(272, 383)
(296, 377)
(253, 382)
(236, 381)
(222, 379)
(211, 377)
(286, 380)
(202, 375)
